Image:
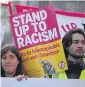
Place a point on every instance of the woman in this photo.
(11, 63)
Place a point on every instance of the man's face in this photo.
(77, 48)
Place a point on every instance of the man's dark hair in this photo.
(67, 39)
(14, 50)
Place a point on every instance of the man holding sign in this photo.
(41, 32)
(74, 48)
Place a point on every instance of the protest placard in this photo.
(37, 36)
(69, 20)
(66, 20)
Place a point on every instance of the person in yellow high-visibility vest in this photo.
(74, 48)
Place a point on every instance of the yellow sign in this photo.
(52, 52)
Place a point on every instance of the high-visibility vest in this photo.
(62, 75)
(84, 59)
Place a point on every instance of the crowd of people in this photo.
(74, 49)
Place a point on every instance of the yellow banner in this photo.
(52, 52)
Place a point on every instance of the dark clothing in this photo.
(74, 70)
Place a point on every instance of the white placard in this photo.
(68, 20)
(41, 82)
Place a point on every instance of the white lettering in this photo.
(43, 14)
(52, 35)
(20, 42)
(42, 25)
(28, 18)
(36, 16)
(35, 26)
(16, 22)
(25, 29)
(22, 18)
(34, 38)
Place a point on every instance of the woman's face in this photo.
(9, 62)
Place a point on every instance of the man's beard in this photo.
(76, 56)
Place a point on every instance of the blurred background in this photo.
(73, 6)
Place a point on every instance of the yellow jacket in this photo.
(62, 75)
